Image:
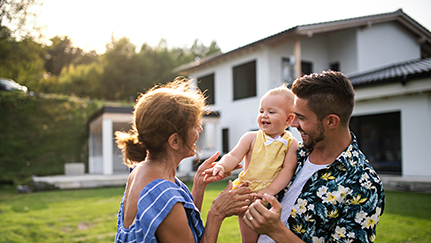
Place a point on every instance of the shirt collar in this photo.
(346, 158)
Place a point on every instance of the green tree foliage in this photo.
(128, 73)
(40, 134)
(15, 14)
(82, 80)
(59, 54)
(20, 60)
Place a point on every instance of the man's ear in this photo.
(332, 121)
(290, 119)
(174, 141)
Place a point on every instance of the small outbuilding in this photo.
(104, 156)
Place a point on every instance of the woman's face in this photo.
(193, 138)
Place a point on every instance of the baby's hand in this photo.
(216, 171)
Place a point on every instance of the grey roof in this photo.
(399, 72)
(110, 109)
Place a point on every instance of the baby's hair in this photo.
(285, 92)
(160, 112)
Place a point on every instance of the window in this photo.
(379, 138)
(225, 138)
(244, 80)
(206, 84)
(335, 66)
(287, 71)
(306, 68)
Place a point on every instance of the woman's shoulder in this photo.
(162, 191)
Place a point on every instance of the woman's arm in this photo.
(175, 228)
(229, 202)
(200, 184)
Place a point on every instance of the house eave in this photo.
(303, 31)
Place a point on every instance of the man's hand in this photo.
(267, 222)
(260, 219)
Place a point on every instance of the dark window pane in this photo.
(335, 66)
(306, 67)
(244, 81)
(206, 84)
(225, 138)
(379, 138)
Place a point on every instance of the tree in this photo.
(60, 54)
(20, 60)
(15, 14)
(121, 72)
(82, 80)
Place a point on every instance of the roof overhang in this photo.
(423, 37)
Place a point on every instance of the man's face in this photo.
(311, 129)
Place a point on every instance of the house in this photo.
(387, 58)
(104, 157)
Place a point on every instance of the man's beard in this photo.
(314, 136)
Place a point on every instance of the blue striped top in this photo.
(155, 202)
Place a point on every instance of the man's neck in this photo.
(330, 148)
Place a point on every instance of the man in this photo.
(335, 195)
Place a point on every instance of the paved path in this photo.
(390, 182)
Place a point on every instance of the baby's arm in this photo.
(286, 173)
(233, 158)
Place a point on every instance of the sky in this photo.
(91, 24)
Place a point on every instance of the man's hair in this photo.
(327, 93)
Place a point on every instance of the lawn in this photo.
(90, 216)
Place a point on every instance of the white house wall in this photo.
(95, 161)
(104, 156)
(394, 44)
(315, 50)
(415, 110)
(342, 48)
(239, 116)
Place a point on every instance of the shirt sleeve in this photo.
(154, 205)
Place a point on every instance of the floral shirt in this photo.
(340, 203)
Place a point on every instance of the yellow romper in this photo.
(266, 161)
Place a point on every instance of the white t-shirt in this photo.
(292, 194)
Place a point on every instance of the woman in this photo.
(157, 206)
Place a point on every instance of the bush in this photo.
(40, 134)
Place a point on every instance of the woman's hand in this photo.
(199, 184)
(231, 202)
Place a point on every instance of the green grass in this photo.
(407, 218)
(90, 216)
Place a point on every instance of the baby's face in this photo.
(273, 116)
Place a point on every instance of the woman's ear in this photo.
(174, 141)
